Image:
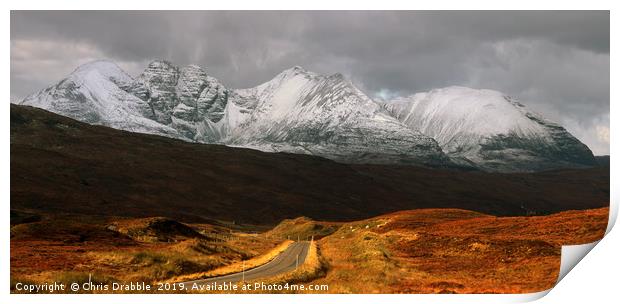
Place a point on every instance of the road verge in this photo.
(235, 267)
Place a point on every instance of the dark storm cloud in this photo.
(556, 62)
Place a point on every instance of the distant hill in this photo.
(60, 165)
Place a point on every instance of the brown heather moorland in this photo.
(454, 251)
(417, 251)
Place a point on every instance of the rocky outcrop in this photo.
(159, 80)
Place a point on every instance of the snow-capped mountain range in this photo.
(299, 111)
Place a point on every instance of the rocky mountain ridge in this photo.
(299, 111)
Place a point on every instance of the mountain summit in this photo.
(299, 111)
(490, 130)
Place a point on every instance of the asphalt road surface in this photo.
(284, 262)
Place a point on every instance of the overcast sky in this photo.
(557, 63)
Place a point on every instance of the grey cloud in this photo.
(556, 62)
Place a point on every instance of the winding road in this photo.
(284, 262)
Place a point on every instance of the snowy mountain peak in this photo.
(299, 111)
(161, 64)
(97, 93)
(489, 129)
(304, 112)
(295, 71)
(102, 65)
(478, 112)
(102, 68)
